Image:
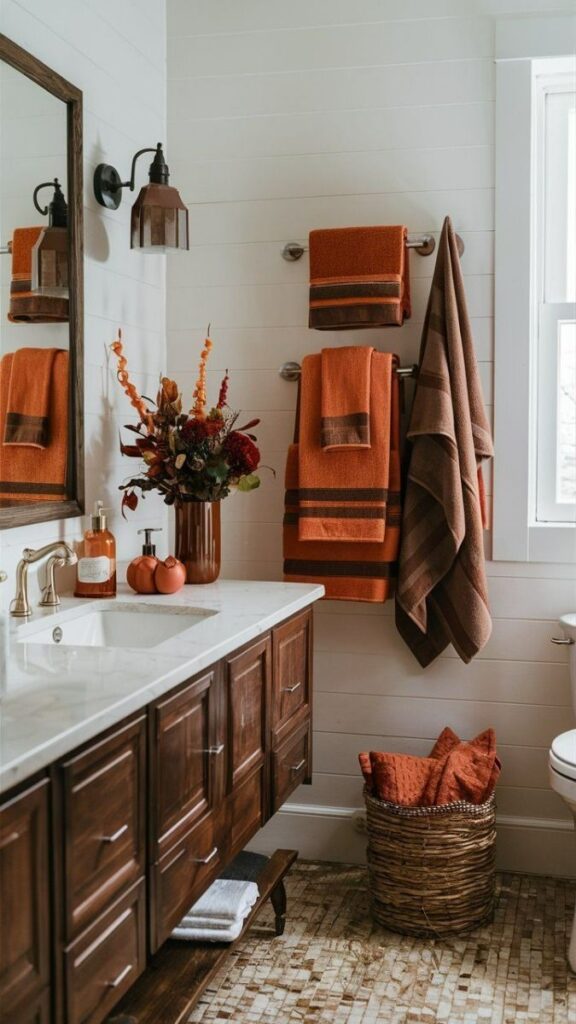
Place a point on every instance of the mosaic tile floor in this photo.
(334, 966)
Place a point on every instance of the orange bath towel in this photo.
(343, 493)
(27, 420)
(27, 306)
(345, 374)
(359, 277)
(352, 570)
(33, 474)
(454, 771)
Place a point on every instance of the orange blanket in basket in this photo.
(455, 770)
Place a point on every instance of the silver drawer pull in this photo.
(215, 750)
(562, 640)
(115, 835)
(291, 689)
(206, 860)
(118, 981)
(297, 767)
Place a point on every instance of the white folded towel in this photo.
(218, 916)
(226, 899)
(209, 934)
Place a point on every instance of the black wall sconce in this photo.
(50, 253)
(159, 221)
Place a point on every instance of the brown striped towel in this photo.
(442, 593)
(27, 419)
(353, 570)
(359, 277)
(345, 377)
(343, 493)
(37, 474)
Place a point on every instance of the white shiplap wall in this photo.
(316, 113)
(115, 53)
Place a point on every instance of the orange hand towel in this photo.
(343, 494)
(32, 474)
(453, 771)
(350, 571)
(27, 419)
(27, 306)
(359, 277)
(345, 374)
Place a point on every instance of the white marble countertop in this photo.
(57, 697)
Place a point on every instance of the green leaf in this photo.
(218, 470)
(249, 482)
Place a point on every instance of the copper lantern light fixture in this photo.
(159, 220)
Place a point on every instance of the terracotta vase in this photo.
(198, 540)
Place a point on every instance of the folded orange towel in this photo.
(343, 493)
(27, 306)
(345, 375)
(349, 570)
(359, 277)
(27, 419)
(454, 771)
(32, 474)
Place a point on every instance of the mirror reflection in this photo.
(34, 301)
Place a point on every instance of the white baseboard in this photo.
(542, 846)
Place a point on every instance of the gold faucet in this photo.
(62, 554)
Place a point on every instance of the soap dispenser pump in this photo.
(96, 568)
(140, 572)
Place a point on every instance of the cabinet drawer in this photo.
(33, 1011)
(104, 840)
(183, 874)
(186, 757)
(290, 765)
(24, 896)
(292, 644)
(105, 961)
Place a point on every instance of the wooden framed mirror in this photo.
(41, 303)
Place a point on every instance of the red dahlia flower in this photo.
(241, 453)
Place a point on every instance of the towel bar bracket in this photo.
(424, 245)
(292, 371)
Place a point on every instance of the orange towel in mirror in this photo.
(27, 420)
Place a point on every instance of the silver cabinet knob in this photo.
(206, 860)
(562, 640)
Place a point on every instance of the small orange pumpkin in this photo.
(140, 574)
(169, 576)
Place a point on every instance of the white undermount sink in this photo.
(114, 624)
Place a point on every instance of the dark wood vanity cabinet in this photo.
(25, 906)
(145, 817)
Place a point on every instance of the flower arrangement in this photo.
(198, 455)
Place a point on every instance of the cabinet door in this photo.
(291, 703)
(104, 822)
(105, 961)
(24, 896)
(32, 1011)
(248, 695)
(186, 752)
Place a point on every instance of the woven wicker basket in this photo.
(431, 868)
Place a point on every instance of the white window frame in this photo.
(523, 51)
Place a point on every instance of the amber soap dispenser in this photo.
(96, 567)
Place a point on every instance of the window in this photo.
(554, 101)
(535, 293)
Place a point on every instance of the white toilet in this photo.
(562, 761)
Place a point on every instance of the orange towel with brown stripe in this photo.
(359, 277)
(30, 474)
(27, 420)
(343, 493)
(27, 306)
(455, 770)
(349, 570)
(345, 376)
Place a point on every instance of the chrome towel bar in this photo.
(423, 244)
(292, 371)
